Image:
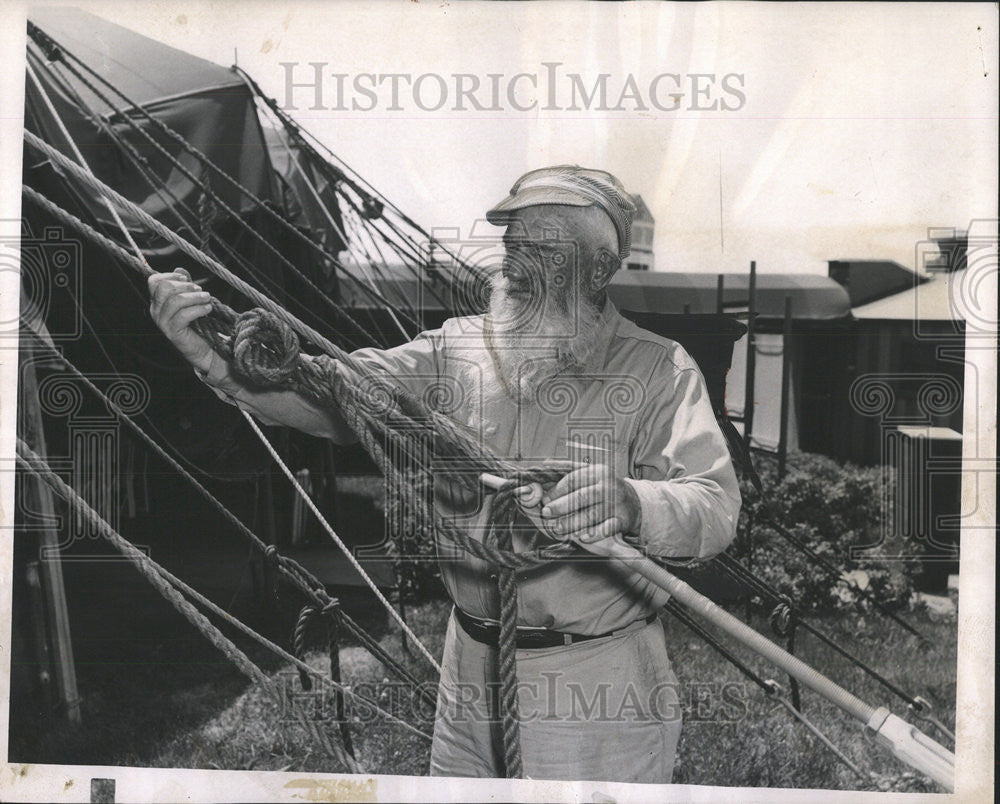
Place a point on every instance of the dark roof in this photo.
(143, 69)
(814, 297)
(870, 280)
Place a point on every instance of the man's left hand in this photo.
(589, 505)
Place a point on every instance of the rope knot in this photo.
(782, 618)
(265, 349)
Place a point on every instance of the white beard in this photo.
(531, 346)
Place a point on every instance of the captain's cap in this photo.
(571, 185)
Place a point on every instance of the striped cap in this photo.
(575, 186)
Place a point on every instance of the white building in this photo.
(641, 257)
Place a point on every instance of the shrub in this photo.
(836, 510)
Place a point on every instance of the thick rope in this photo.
(307, 583)
(367, 425)
(312, 376)
(168, 585)
(507, 661)
(324, 381)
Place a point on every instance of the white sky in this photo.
(864, 124)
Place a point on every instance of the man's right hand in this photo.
(177, 302)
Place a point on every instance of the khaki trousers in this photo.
(602, 710)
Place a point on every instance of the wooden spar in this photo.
(786, 369)
(751, 366)
(50, 564)
(906, 742)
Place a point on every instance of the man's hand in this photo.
(590, 505)
(176, 302)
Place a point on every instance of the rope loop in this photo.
(306, 614)
(265, 349)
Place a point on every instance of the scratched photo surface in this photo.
(537, 401)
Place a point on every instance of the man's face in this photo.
(542, 262)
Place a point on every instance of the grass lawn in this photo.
(739, 738)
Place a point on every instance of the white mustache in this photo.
(519, 331)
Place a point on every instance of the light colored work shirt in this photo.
(639, 405)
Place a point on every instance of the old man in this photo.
(552, 372)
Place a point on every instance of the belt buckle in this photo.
(567, 639)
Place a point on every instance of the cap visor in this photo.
(533, 197)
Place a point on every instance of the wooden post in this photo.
(720, 287)
(42, 653)
(786, 359)
(751, 365)
(748, 404)
(51, 575)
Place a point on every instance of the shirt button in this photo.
(494, 578)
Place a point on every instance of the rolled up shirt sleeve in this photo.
(412, 366)
(681, 470)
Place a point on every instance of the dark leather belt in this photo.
(489, 633)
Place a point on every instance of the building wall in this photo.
(863, 381)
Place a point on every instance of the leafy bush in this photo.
(836, 510)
